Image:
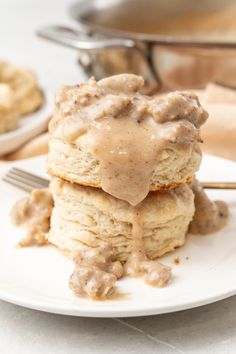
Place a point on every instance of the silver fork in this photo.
(25, 180)
(28, 181)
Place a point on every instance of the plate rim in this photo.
(115, 313)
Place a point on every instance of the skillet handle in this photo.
(81, 41)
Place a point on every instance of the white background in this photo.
(209, 329)
(19, 19)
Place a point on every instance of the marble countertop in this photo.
(208, 329)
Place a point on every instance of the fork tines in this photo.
(25, 180)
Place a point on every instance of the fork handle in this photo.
(219, 185)
(80, 40)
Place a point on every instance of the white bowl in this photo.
(30, 126)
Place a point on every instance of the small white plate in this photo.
(37, 277)
(30, 126)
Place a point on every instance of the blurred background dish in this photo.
(29, 126)
(20, 95)
(181, 46)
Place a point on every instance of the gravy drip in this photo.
(138, 265)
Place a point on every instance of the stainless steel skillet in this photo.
(114, 36)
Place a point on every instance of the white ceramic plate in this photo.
(30, 125)
(37, 277)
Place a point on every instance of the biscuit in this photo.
(85, 217)
(77, 165)
(100, 127)
(23, 83)
(9, 119)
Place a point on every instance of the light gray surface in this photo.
(209, 329)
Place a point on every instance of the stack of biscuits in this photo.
(113, 154)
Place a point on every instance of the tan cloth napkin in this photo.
(36, 146)
(218, 133)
